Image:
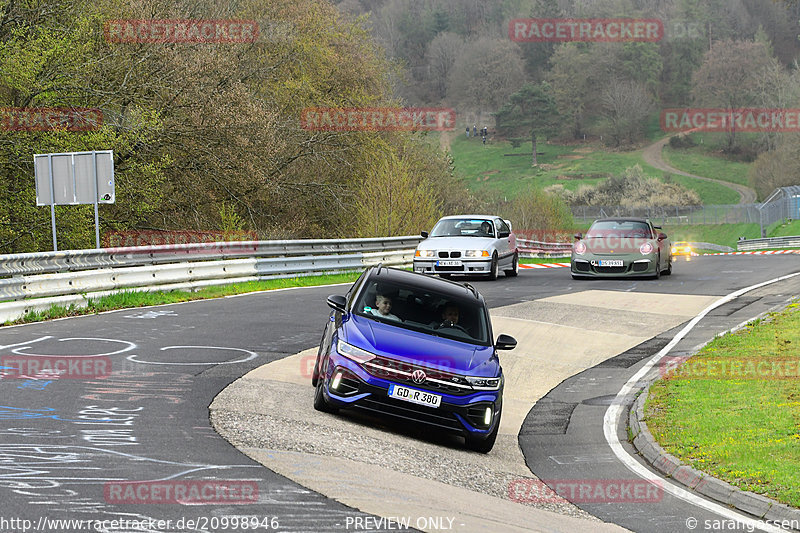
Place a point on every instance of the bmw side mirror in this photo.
(424, 234)
(337, 302)
(503, 235)
(505, 342)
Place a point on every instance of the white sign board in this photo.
(74, 178)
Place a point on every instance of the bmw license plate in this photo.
(611, 262)
(448, 263)
(414, 396)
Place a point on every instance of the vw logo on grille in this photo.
(418, 376)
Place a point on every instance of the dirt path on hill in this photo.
(652, 156)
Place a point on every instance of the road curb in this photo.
(709, 486)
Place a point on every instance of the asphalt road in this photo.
(139, 413)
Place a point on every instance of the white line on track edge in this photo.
(611, 418)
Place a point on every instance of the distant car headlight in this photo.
(424, 253)
(484, 383)
(354, 353)
(476, 253)
(674, 250)
(646, 248)
(580, 248)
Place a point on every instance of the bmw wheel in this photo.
(495, 268)
(514, 267)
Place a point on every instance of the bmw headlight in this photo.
(424, 253)
(484, 383)
(476, 253)
(354, 353)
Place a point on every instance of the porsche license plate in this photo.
(610, 262)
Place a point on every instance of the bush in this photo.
(632, 189)
(681, 141)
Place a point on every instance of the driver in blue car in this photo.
(450, 315)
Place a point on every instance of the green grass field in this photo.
(697, 161)
(723, 234)
(743, 430)
(786, 229)
(499, 170)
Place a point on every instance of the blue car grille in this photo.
(382, 404)
(436, 380)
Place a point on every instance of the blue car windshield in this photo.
(463, 227)
(421, 310)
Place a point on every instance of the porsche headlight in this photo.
(646, 248)
(580, 248)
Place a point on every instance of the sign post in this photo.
(74, 178)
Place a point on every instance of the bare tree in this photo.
(730, 76)
(441, 55)
(626, 105)
(486, 74)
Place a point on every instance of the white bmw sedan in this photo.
(468, 244)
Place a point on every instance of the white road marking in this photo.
(613, 413)
(252, 355)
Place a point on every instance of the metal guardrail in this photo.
(39, 280)
(529, 248)
(74, 260)
(770, 242)
(710, 246)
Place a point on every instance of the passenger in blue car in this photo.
(383, 307)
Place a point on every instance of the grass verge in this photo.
(743, 431)
(133, 298)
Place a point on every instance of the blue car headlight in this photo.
(480, 383)
(354, 353)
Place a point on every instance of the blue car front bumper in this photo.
(463, 413)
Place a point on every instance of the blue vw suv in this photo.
(417, 348)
